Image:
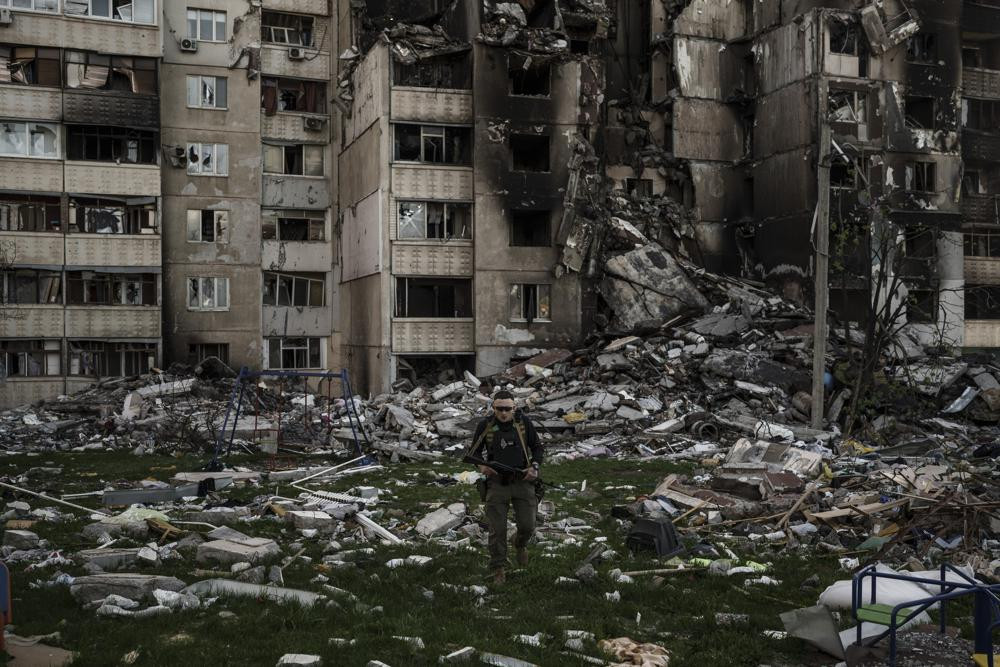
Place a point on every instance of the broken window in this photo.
(100, 143)
(528, 77)
(529, 152)
(640, 187)
(844, 38)
(982, 302)
(29, 66)
(972, 56)
(281, 28)
(207, 92)
(920, 177)
(110, 289)
(451, 72)
(292, 95)
(29, 213)
(972, 183)
(980, 114)
(434, 220)
(31, 286)
(982, 242)
(847, 110)
(294, 159)
(530, 302)
(530, 228)
(207, 226)
(922, 304)
(294, 353)
(30, 358)
(208, 159)
(434, 297)
(97, 358)
(199, 352)
(133, 215)
(208, 293)
(293, 225)
(432, 143)
(127, 11)
(919, 251)
(307, 290)
(206, 25)
(95, 71)
(922, 48)
(25, 139)
(36, 5)
(920, 112)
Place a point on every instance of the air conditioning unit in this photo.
(189, 45)
(313, 123)
(6, 18)
(295, 53)
(179, 158)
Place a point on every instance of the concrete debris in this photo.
(300, 659)
(138, 587)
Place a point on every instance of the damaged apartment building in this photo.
(401, 187)
(80, 198)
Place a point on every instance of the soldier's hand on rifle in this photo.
(488, 471)
(530, 474)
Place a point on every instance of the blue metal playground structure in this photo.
(986, 607)
(245, 384)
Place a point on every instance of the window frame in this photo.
(111, 12)
(215, 24)
(401, 308)
(518, 291)
(200, 161)
(9, 281)
(197, 352)
(425, 134)
(48, 349)
(130, 227)
(41, 206)
(215, 294)
(114, 287)
(279, 342)
(11, 57)
(220, 225)
(284, 159)
(301, 17)
(34, 10)
(918, 166)
(271, 224)
(200, 77)
(446, 208)
(272, 283)
(27, 139)
(119, 136)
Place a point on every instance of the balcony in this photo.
(296, 321)
(982, 333)
(417, 335)
(982, 270)
(296, 256)
(285, 190)
(431, 181)
(981, 209)
(35, 321)
(432, 105)
(113, 321)
(112, 250)
(35, 248)
(274, 60)
(980, 17)
(979, 82)
(108, 178)
(97, 107)
(978, 145)
(32, 174)
(317, 7)
(32, 102)
(290, 126)
(86, 34)
(451, 258)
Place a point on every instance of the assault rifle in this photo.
(502, 467)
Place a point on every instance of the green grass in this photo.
(678, 614)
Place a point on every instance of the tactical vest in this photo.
(491, 431)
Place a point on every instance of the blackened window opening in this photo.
(529, 152)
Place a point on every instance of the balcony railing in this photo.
(979, 82)
(981, 209)
(979, 145)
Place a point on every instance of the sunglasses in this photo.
(499, 408)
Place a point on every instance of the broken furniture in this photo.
(986, 615)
